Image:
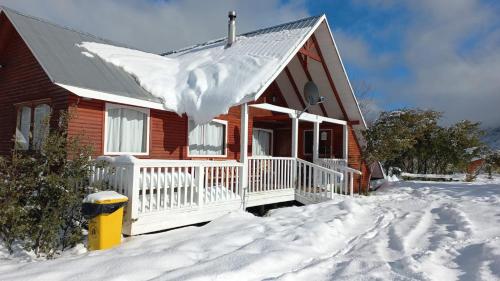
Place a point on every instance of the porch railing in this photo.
(267, 173)
(317, 183)
(340, 165)
(160, 185)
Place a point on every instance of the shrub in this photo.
(41, 193)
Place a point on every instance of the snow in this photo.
(206, 81)
(406, 231)
(103, 196)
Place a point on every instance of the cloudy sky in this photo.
(437, 54)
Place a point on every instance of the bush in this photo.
(41, 193)
(413, 140)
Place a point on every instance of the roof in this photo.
(55, 49)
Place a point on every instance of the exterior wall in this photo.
(22, 80)
(168, 131)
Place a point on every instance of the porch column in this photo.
(295, 137)
(345, 144)
(315, 142)
(244, 147)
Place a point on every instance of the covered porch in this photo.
(165, 194)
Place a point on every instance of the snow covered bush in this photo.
(41, 193)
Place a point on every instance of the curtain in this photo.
(261, 143)
(40, 124)
(126, 130)
(207, 139)
(23, 127)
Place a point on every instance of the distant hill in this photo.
(492, 138)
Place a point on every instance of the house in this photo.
(225, 126)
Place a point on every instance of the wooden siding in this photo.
(22, 79)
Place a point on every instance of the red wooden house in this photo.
(267, 148)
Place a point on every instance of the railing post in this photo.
(351, 183)
(133, 174)
(199, 172)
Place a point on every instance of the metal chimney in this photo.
(231, 28)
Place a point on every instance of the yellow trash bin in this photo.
(105, 213)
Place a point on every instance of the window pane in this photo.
(40, 124)
(207, 139)
(261, 144)
(126, 130)
(23, 127)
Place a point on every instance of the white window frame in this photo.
(31, 105)
(223, 122)
(146, 111)
(304, 141)
(272, 139)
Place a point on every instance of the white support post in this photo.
(345, 144)
(133, 174)
(316, 142)
(295, 137)
(244, 149)
(295, 149)
(199, 172)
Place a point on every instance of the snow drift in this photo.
(411, 231)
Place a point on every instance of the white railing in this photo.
(159, 185)
(340, 165)
(267, 173)
(315, 182)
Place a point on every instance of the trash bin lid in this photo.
(105, 197)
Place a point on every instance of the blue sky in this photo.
(434, 54)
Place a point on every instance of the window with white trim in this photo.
(127, 130)
(207, 139)
(32, 125)
(262, 142)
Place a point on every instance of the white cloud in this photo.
(452, 51)
(160, 25)
(455, 57)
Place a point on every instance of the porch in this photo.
(165, 194)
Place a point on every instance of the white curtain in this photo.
(23, 127)
(261, 143)
(126, 130)
(206, 139)
(40, 124)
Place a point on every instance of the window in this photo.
(262, 142)
(30, 132)
(207, 139)
(127, 130)
(325, 143)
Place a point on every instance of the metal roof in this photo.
(55, 48)
(262, 34)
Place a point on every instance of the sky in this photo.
(442, 55)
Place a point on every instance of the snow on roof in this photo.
(204, 81)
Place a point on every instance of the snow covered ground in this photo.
(408, 231)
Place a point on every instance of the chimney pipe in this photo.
(231, 28)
